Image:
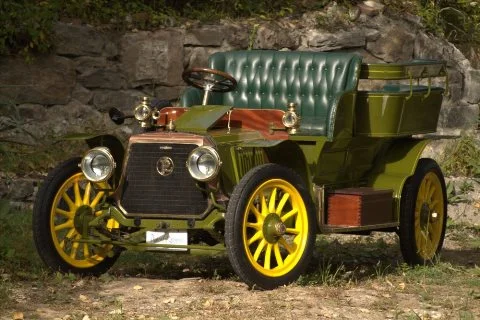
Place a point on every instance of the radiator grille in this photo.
(145, 191)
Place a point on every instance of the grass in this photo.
(340, 262)
(462, 157)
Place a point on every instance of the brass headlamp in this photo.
(143, 112)
(291, 120)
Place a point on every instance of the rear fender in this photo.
(396, 166)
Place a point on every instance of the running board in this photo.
(345, 229)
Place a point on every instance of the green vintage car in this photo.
(264, 151)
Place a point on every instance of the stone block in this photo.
(153, 57)
(29, 112)
(47, 80)
(85, 64)
(124, 100)
(198, 57)
(472, 86)
(103, 79)
(459, 115)
(169, 93)
(326, 41)
(394, 44)
(82, 94)
(274, 37)
(237, 35)
(207, 36)
(81, 40)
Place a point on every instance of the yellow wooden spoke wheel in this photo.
(269, 228)
(275, 228)
(423, 214)
(65, 205)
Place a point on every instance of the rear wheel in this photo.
(66, 202)
(270, 227)
(423, 214)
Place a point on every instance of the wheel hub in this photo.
(273, 228)
(83, 216)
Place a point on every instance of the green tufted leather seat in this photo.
(266, 79)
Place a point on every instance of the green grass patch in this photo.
(462, 157)
(18, 256)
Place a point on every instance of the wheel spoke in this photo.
(431, 231)
(268, 256)
(73, 253)
(256, 226)
(86, 195)
(97, 199)
(287, 246)
(67, 214)
(424, 235)
(86, 252)
(264, 205)
(69, 201)
(284, 200)
(290, 214)
(292, 231)
(65, 225)
(255, 237)
(69, 235)
(78, 197)
(257, 214)
(271, 203)
(259, 250)
(426, 190)
(278, 255)
(431, 193)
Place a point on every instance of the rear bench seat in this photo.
(266, 79)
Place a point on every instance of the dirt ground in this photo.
(362, 279)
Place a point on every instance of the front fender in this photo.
(115, 146)
(113, 143)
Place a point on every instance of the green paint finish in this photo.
(404, 70)
(235, 136)
(390, 114)
(172, 224)
(343, 115)
(200, 118)
(395, 165)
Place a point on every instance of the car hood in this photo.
(200, 118)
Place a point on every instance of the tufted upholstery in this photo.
(315, 81)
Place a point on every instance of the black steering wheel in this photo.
(209, 79)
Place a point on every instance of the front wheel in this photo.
(65, 202)
(423, 214)
(270, 227)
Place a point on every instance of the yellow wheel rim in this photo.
(275, 228)
(429, 216)
(75, 193)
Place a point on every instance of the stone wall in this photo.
(92, 70)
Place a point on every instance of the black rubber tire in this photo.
(41, 223)
(407, 230)
(234, 221)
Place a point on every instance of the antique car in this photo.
(265, 150)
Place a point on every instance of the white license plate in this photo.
(167, 237)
